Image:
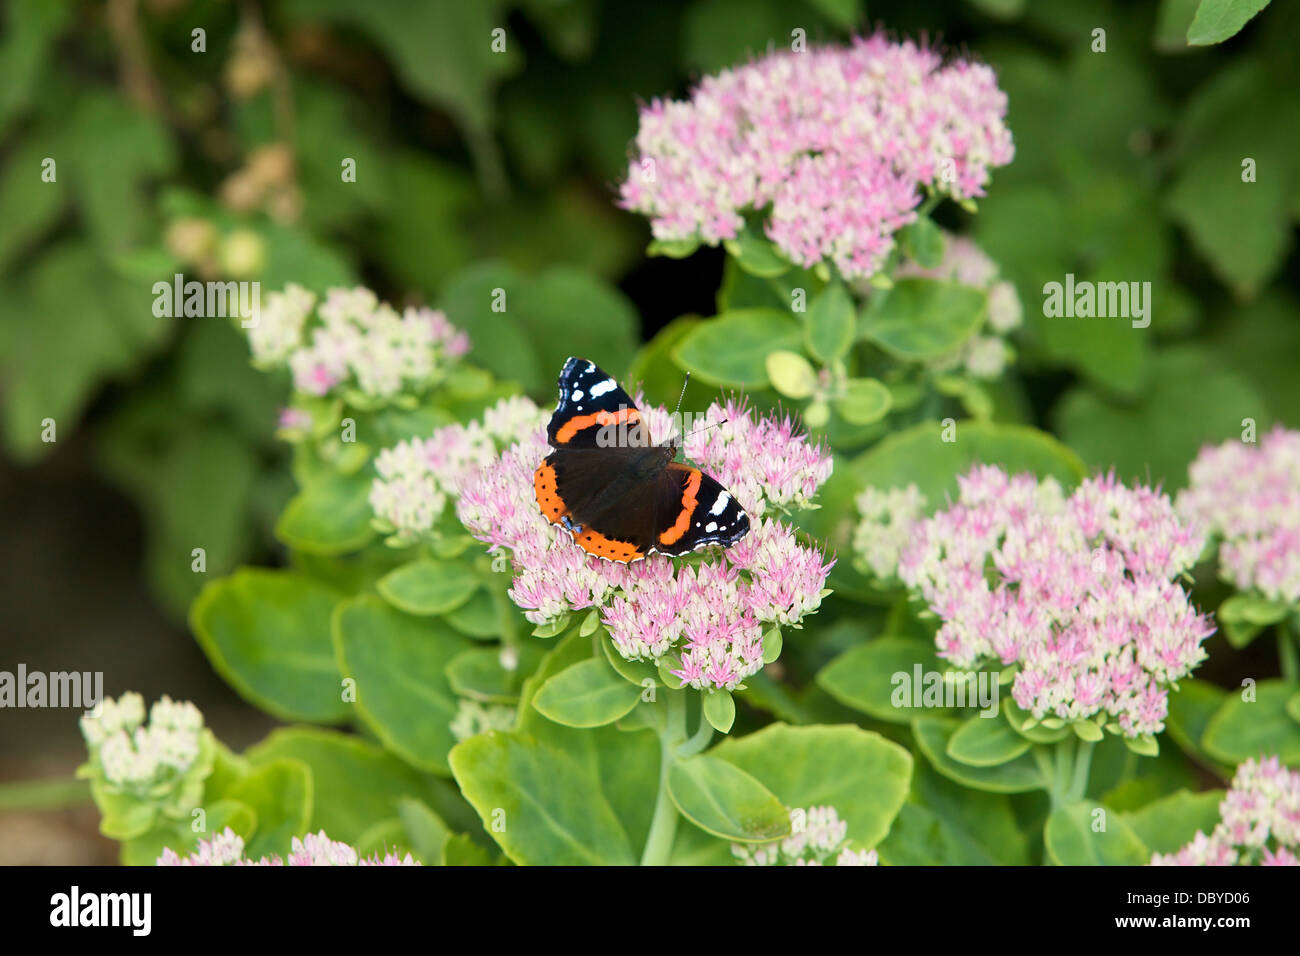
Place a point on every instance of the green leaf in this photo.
(472, 302)
(31, 28)
(720, 710)
(460, 850)
(477, 617)
(1191, 707)
(919, 455)
(1244, 616)
(1017, 776)
(268, 634)
(722, 799)
(1168, 824)
(91, 326)
(31, 206)
(1243, 729)
(869, 785)
(355, 783)
(179, 836)
(673, 248)
(399, 664)
(428, 48)
(1086, 730)
(945, 824)
(986, 742)
(755, 253)
(331, 516)
(1070, 840)
(280, 794)
(732, 349)
(1144, 746)
(546, 306)
(1241, 228)
(638, 672)
(660, 378)
(542, 807)
(864, 402)
(791, 374)
(1193, 401)
(923, 242)
(773, 643)
(1035, 732)
(588, 694)
(111, 150)
(1217, 20)
(921, 319)
(879, 678)
(623, 760)
(425, 830)
(831, 324)
(427, 587)
(478, 673)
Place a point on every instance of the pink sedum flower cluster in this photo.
(707, 617)
(1076, 591)
(314, 849)
(358, 343)
(1249, 497)
(819, 838)
(887, 519)
(417, 477)
(1259, 822)
(838, 141)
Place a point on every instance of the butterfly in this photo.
(618, 495)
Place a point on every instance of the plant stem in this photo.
(1082, 765)
(701, 739)
(1043, 757)
(1064, 767)
(663, 825)
(49, 794)
(1286, 651)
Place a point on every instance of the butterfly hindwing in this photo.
(695, 511)
(593, 411)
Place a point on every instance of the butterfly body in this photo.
(619, 495)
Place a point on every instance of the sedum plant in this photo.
(944, 639)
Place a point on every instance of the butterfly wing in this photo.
(593, 494)
(593, 412)
(695, 510)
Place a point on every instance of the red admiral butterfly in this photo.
(618, 495)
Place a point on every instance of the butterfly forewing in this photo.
(593, 412)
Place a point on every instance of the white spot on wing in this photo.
(711, 527)
(720, 503)
(601, 388)
(577, 395)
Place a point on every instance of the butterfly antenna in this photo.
(704, 428)
(686, 382)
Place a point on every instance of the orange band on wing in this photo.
(601, 418)
(683, 522)
(548, 497)
(593, 542)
